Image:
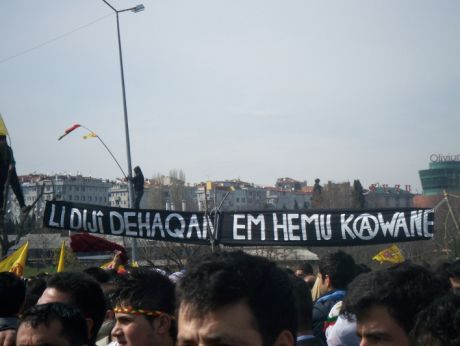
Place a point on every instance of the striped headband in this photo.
(130, 310)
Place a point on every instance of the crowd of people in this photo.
(235, 299)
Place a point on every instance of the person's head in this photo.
(386, 302)
(144, 309)
(79, 290)
(304, 305)
(336, 270)
(107, 278)
(439, 323)
(137, 170)
(12, 294)
(34, 289)
(236, 299)
(54, 324)
(304, 269)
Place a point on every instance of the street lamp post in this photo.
(135, 9)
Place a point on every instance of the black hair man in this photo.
(386, 302)
(236, 299)
(8, 170)
(335, 271)
(144, 310)
(54, 324)
(81, 291)
(439, 323)
(304, 307)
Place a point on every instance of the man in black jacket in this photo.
(8, 174)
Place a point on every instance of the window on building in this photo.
(82, 198)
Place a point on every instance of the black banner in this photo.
(326, 228)
(149, 224)
(296, 228)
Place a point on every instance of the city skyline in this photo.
(257, 91)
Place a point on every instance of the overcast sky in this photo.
(246, 89)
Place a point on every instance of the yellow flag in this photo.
(16, 261)
(392, 255)
(60, 266)
(90, 135)
(3, 130)
(209, 185)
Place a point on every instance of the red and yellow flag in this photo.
(392, 255)
(16, 261)
(70, 129)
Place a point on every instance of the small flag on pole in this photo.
(60, 266)
(70, 129)
(16, 262)
(90, 135)
(3, 129)
(392, 255)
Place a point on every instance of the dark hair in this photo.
(439, 323)
(100, 275)
(304, 303)
(454, 269)
(73, 324)
(339, 266)
(225, 278)
(404, 289)
(12, 293)
(34, 289)
(147, 289)
(86, 295)
(306, 268)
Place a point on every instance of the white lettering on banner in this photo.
(401, 224)
(259, 220)
(157, 224)
(51, 221)
(427, 223)
(292, 227)
(304, 220)
(75, 218)
(282, 226)
(416, 217)
(116, 215)
(143, 225)
(92, 227)
(176, 232)
(344, 226)
(207, 223)
(363, 228)
(194, 225)
(326, 231)
(237, 226)
(128, 225)
(100, 214)
(387, 227)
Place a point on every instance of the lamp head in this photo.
(138, 8)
